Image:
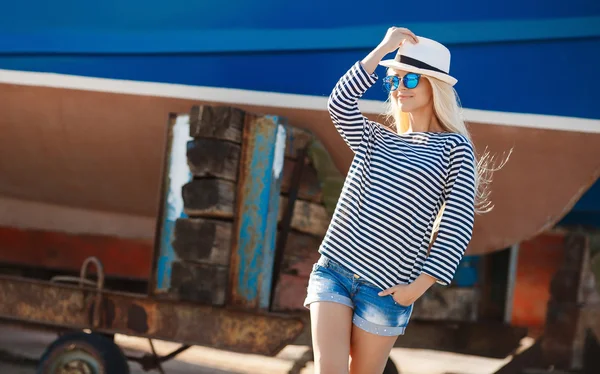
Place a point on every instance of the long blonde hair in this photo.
(447, 108)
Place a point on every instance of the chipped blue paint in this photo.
(258, 204)
(178, 174)
(270, 241)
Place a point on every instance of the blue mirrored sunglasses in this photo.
(392, 82)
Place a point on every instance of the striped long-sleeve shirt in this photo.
(394, 190)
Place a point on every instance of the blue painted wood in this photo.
(177, 174)
(259, 188)
(303, 39)
(270, 240)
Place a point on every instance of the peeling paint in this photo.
(178, 174)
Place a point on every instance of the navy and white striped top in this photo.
(393, 192)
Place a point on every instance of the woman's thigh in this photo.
(369, 352)
(378, 321)
(331, 327)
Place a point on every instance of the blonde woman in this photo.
(406, 182)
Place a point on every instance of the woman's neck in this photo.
(423, 120)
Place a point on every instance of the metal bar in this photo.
(512, 278)
(221, 328)
(153, 361)
(157, 361)
(174, 354)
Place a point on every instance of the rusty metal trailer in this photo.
(222, 226)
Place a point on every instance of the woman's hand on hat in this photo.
(394, 38)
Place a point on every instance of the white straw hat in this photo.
(427, 57)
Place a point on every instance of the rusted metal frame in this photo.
(286, 220)
(164, 185)
(66, 306)
(99, 286)
(257, 207)
(173, 354)
(151, 361)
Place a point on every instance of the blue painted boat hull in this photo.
(86, 135)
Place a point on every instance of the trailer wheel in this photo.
(390, 367)
(81, 353)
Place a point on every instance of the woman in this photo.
(379, 254)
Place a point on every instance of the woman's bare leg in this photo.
(331, 326)
(369, 352)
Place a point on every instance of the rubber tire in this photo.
(390, 367)
(108, 354)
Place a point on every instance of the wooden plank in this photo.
(257, 199)
(309, 188)
(202, 283)
(218, 122)
(331, 180)
(203, 240)
(121, 257)
(210, 198)
(213, 158)
(290, 292)
(300, 253)
(309, 218)
(296, 139)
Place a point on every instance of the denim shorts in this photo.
(381, 315)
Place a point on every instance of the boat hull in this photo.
(83, 155)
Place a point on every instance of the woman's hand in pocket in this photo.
(406, 294)
(403, 294)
